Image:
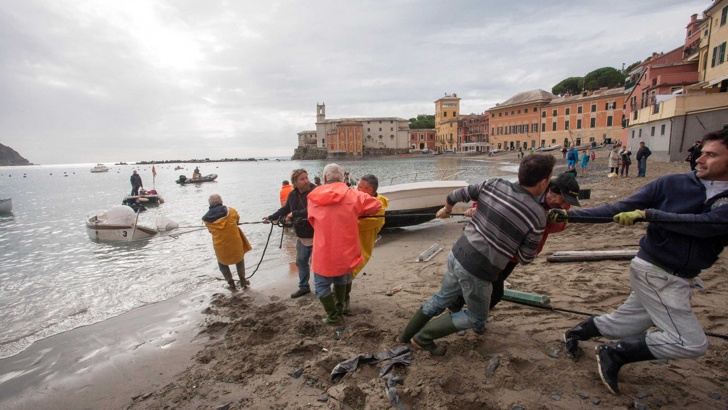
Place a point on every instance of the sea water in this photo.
(53, 278)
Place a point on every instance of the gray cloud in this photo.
(85, 81)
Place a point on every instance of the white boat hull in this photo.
(104, 232)
(6, 205)
(416, 202)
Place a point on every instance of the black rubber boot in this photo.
(332, 315)
(346, 301)
(440, 327)
(418, 321)
(583, 331)
(611, 357)
(340, 296)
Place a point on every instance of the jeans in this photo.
(322, 284)
(303, 262)
(662, 300)
(458, 281)
(641, 167)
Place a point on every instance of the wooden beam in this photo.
(591, 256)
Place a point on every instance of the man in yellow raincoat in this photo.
(228, 240)
(368, 227)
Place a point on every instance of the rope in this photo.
(555, 309)
(598, 219)
(261, 256)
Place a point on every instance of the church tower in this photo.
(320, 112)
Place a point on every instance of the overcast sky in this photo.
(108, 81)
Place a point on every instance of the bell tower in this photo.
(320, 112)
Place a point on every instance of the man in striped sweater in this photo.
(508, 221)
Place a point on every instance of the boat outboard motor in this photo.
(182, 178)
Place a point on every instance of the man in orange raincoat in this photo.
(286, 189)
(228, 240)
(334, 211)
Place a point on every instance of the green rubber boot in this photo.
(418, 321)
(346, 301)
(332, 315)
(440, 327)
(340, 296)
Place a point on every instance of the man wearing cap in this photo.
(562, 193)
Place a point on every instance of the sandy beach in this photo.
(259, 349)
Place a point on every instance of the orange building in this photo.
(592, 116)
(514, 124)
(346, 138)
(422, 138)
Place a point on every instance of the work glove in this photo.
(557, 216)
(629, 218)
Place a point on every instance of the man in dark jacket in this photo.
(692, 209)
(296, 210)
(694, 154)
(642, 153)
(136, 183)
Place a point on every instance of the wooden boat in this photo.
(145, 197)
(119, 224)
(100, 168)
(417, 202)
(6, 205)
(184, 180)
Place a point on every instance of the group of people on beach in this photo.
(687, 231)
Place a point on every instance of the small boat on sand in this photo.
(118, 224)
(100, 168)
(184, 180)
(6, 205)
(417, 202)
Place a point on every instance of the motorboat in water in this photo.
(6, 205)
(177, 168)
(417, 202)
(100, 168)
(150, 197)
(118, 224)
(184, 180)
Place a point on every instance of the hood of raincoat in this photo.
(329, 194)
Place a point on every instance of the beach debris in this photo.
(323, 398)
(596, 400)
(296, 374)
(398, 355)
(338, 333)
(493, 364)
(225, 406)
(394, 290)
(640, 406)
(553, 353)
(429, 253)
(592, 256)
(556, 396)
(391, 390)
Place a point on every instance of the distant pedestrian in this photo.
(695, 153)
(563, 152)
(626, 160)
(642, 153)
(228, 240)
(571, 157)
(613, 162)
(584, 161)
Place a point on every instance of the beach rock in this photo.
(715, 396)
(596, 400)
(640, 406)
(296, 374)
(555, 396)
(323, 398)
(554, 353)
(641, 394)
(493, 364)
(582, 395)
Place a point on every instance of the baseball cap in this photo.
(566, 183)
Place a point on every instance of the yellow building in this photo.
(712, 30)
(346, 138)
(447, 110)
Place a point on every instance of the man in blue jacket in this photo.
(687, 233)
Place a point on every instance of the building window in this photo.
(534, 127)
(566, 125)
(555, 113)
(543, 114)
(652, 132)
(724, 16)
(640, 133)
(662, 129)
(609, 121)
(500, 114)
(543, 127)
(632, 133)
(718, 54)
(568, 111)
(610, 105)
(380, 128)
(519, 110)
(593, 122)
(512, 112)
(525, 110)
(553, 128)
(594, 108)
(444, 113)
(578, 109)
(506, 113)
(578, 124)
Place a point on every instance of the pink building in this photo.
(473, 133)
(422, 138)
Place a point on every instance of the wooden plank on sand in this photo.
(590, 256)
(525, 297)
